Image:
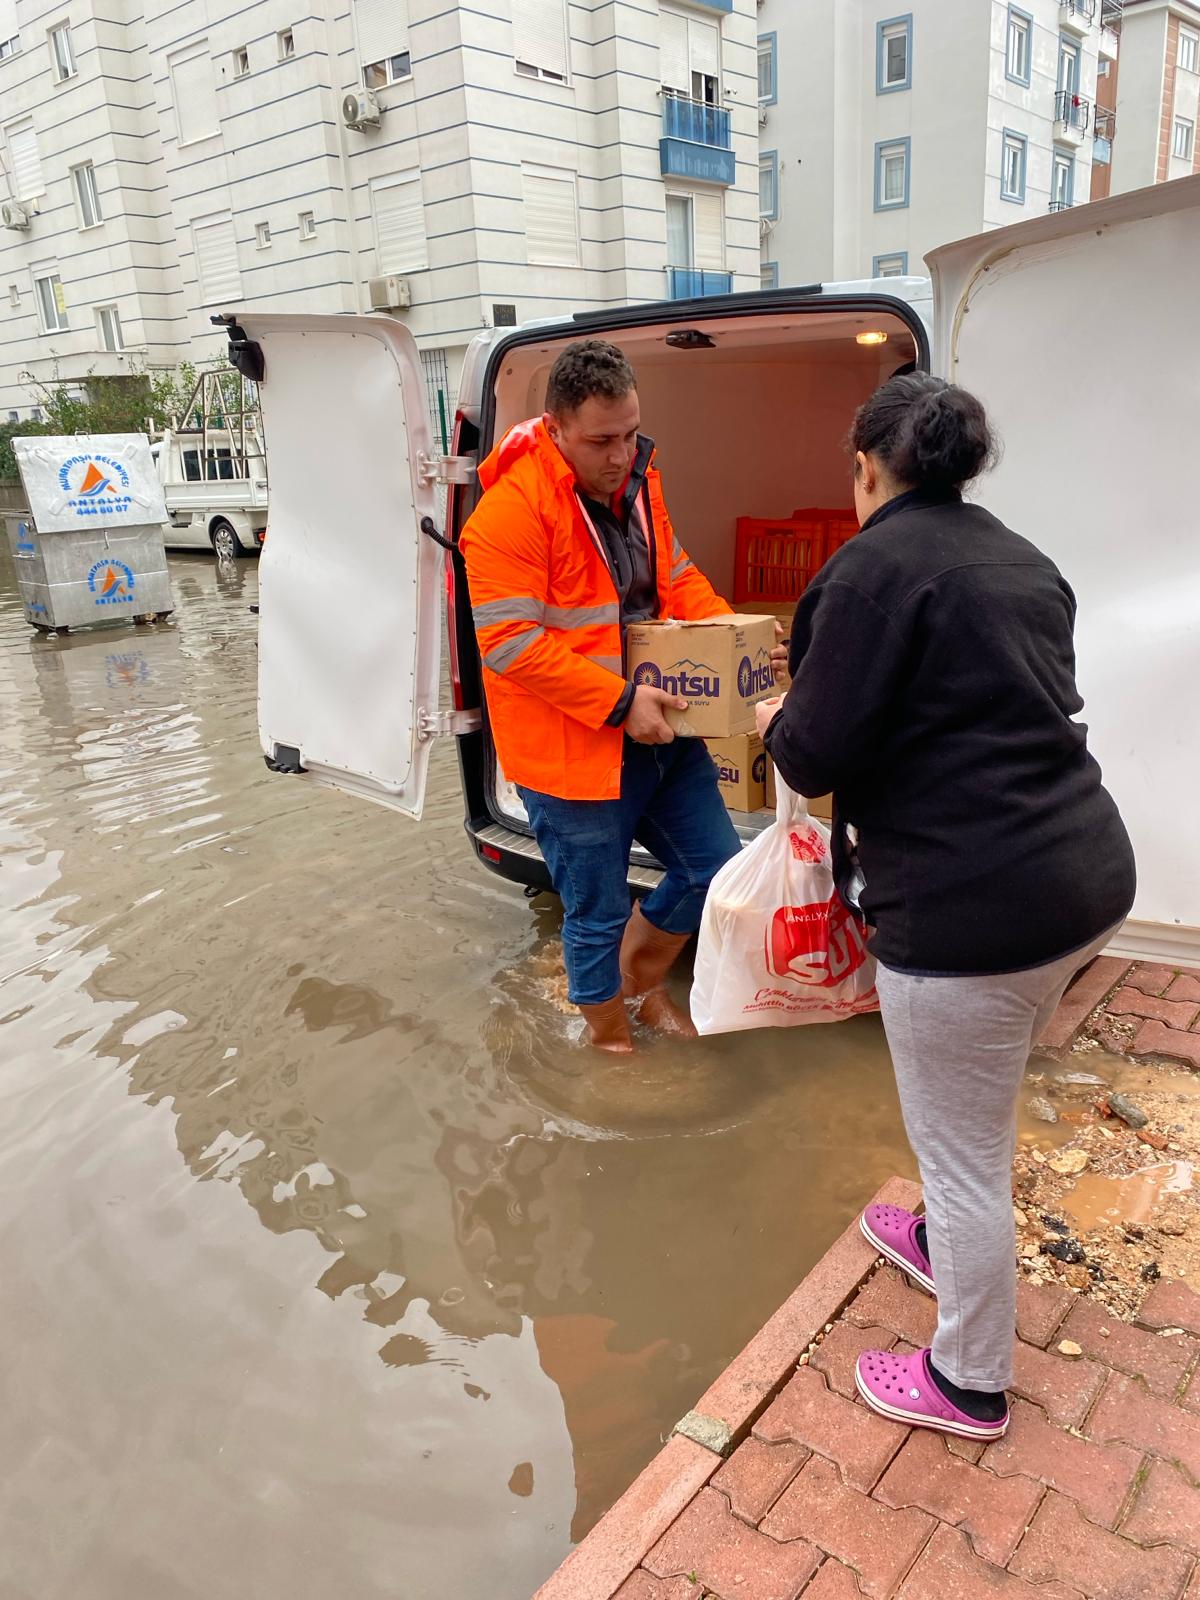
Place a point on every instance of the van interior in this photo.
(750, 421)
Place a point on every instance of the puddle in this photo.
(1096, 1201)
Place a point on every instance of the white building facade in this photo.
(888, 130)
(1157, 94)
(531, 158)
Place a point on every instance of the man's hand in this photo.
(779, 656)
(645, 723)
(764, 714)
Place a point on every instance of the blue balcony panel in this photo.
(682, 159)
(686, 283)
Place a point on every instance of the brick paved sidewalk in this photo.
(782, 1484)
(1135, 1008)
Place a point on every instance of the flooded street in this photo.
(330, 1264)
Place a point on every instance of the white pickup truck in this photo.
(213, 470)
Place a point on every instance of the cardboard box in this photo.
(721, 666)
(821, 807)
(741, 764)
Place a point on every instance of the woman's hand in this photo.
(764, 713)
(779, 656)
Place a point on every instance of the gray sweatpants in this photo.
(960, 1047)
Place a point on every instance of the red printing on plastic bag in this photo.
(818, 944)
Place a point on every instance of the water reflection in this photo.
(331, 1256)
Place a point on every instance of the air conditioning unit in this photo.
(361, 110)
(762, 116)
(390, 294)
(14, 215)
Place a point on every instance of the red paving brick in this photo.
(730, 1559)
(948, 1569)
(1171, 1304)
(757, 1474)
(644, 1585)
(1185, 987)
(993, 1511)
(1150, 978)
(1160, 1363)
(1154, 1039)
(878, 1542)
(1061, 1546)
(838, 1354)
(1040, 1311)
(808, 1413)
(1133, 1003)
(1166, 1510)
(1099, 1478)
(833, 1582)
(1126, 1413)
(1064, 1389)
(1080, 1000)
(888, 1301)
(1191, 1395)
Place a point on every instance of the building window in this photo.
(1062, 181)
(14, 296)
(1013, 163)
(540, 39)
(10, 47)
(24, 164)
(14, 416)
(262, 235)
(892, 174)
(241, 61)
(52, 304)
(1103, 68)
(1068, 66)
(393, 69)
(696, 231)
(679, 231)
(1185, 139)
(1189, 50)
(893, 55)
(108, 326)
(195, 94)
(768, 184)
(35, 414)
(893, 266)
(87, 196)
(689, 57)
(61, 54)
(551, 216)
(307, 226)
(398, 207)
(286, 40)
(1019, 57)
(217, 271)
(768, 275)
(768, 87)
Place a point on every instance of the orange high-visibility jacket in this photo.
(547, 615)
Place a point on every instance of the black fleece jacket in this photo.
(934, 692)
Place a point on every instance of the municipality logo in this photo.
(95, 486)
(110, 582)
(692, 679)
(754, 677)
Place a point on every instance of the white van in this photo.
(1078, 330)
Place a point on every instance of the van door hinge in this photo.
(442, 724)
(445, 470)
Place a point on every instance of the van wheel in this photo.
(225, 542)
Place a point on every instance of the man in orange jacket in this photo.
(570, 542)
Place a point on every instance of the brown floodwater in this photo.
(330, 1263)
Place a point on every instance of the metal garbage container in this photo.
(90, 552)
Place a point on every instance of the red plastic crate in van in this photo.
(840, 526)
(776, 560)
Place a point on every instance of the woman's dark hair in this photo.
(928, 434)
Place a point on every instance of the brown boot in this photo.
(647, 955)
(608, 1026)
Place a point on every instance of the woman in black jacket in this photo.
(934, 692)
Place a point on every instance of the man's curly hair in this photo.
(588, 367)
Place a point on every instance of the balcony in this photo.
(1104, 130)
(1060, 205)
(1072, 113)
(696, 141)
(1077, 16)
(689, 283)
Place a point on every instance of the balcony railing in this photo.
(1111, 12)
(1072, 111)
(689, 283)
(697, 122)
(1104, 124)
(1061, 205)
(1081, 12)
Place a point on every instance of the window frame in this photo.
(882, 147)
(389, 77)
(10, 47)
(62, 30)
(1191, 37)
(262, 235)
(92, 197)
(182, 58)
(110, 349)
(883, 31)
(530, 70)
(1071, 50)
(207, 293)
(1183, 125)
(555, 174)
(406, 178)
(890, 255)
(42, 275)
(765, 267)
(768, 160)
(306, 226)
(241, 61)
(1062, 160)
(1010, 136)
(1016, 15)
(685, 198)
(285, 44)
(771, 54)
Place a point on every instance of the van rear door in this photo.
(350, 626)
(1077, 331)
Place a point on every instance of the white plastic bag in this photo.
(777, 945)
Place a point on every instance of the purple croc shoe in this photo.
(902, 1388)
(893, 1232)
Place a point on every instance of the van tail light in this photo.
(490, 853)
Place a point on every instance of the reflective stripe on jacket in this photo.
(547, 616)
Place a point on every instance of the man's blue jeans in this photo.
(670, 804)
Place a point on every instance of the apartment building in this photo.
(1152, 97)
(453, 165)
(885, 133)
